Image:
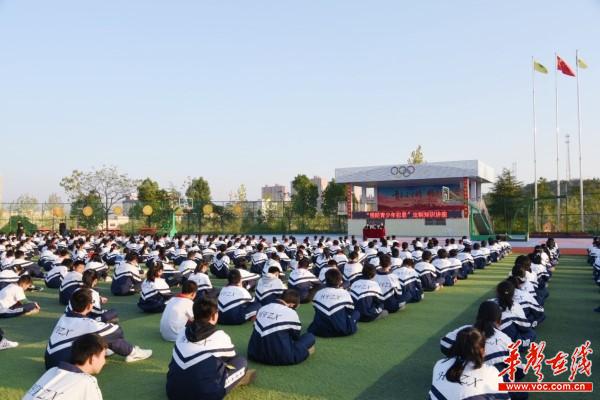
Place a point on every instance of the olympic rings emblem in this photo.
(403, 170)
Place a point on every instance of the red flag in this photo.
(563, 67)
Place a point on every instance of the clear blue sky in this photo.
(255, 92)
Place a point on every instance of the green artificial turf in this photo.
(388, 359)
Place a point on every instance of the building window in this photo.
(435, 221)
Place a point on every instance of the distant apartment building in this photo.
(275, 193)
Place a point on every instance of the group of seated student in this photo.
(594, 260)
(477, 352)
(347, 282)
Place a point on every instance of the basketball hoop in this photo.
(186, 203)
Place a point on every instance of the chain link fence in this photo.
(517, 215)
(217, 217)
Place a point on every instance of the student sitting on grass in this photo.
(331, 264)
(178, 312)
(204, 363)
(514, 322)
(249, 279)
(456, 265)
(188, 266)
(258, 259)
(395, 258)
(334, 309)
(496, 342)
(13, 302)
(467, 262)
(236, 304)
(76, 323)
(464, 375)
(155, 291)
(479, 256)
(444, 268)
(536, 267)
(98, 265)
(489, 318)
(273, 261)
(390, 285)
(302, 280)
(10, 275)
(269, 287)
(276, 338)
(533, 311)
(321, 260)
(220, 264)
(410, 281)
(55, 276)
(367, 296)
(353, 269)
(71, 282)
(201, 279)
(428, 273)
(126, 280)
(89, 281)
(32, 269)
(73, 379)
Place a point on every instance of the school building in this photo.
(430, 199)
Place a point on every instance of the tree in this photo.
(92, 200)
(13, 223)
(25, 204)
(332, 195)
(416, 156)
(304, 199)
(108, 183)
(54, 200)
(199, 191)
(505, 199)
(150, 194)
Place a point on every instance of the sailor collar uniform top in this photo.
(475, 383)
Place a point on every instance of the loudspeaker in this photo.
(62, 228)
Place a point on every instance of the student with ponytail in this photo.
(513, 323)
(487, 322)
(465, 375)
(523, 295)
(155, 291)
(220, 264)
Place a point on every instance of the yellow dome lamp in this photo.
(207, 209)
(58, 212)
(147, 211)
(87, 211)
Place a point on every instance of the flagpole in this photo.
(557, 143)
(535, 182)
(579, 139)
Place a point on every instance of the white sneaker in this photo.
(138, 354)
(109, 352)
(7, 344)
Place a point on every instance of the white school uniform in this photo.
(475, 383)
(65, 382)
(202, 280)
(9, 296)
(175, 316)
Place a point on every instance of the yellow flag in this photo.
(581, 64)
(539, 67)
